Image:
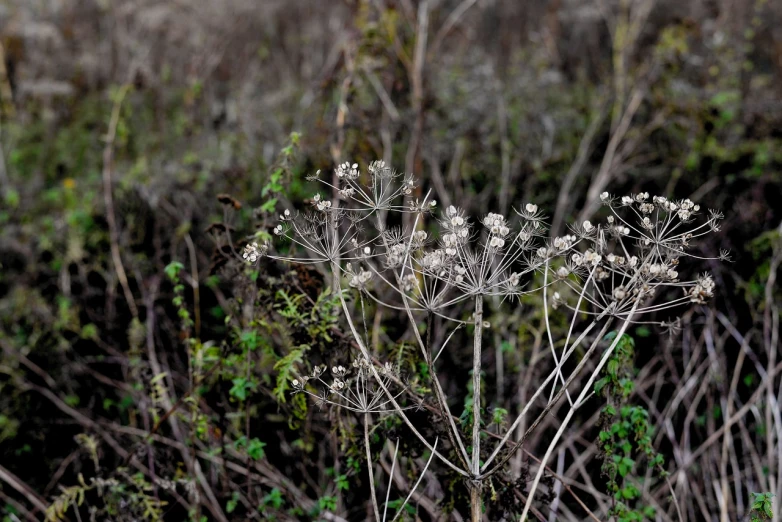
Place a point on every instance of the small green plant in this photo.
(626, 435)
(762, 507)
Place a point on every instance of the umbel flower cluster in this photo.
(630, 257)
(380, 236)
(353, 388)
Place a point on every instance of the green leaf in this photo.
(342, 483)
(173, 268)
(285, 367)
(230, 506)
(241, 387)
(273, 499)
(269, 206)
(255, 449)
(327, 503)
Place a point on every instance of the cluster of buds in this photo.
(409, 282)
(660, 271)
(496, 242)
(524, 234)
(320, 203)
(360, 363)
(408, 186)
(564, 242)
(686, 209)
(621, 260)
(347, 171)
(417, 206)
(460, 272)
(530, 212)
(456, 224)
(299, 385)
(451, 242)
(378, 168)
(496, 224)
(347, 192)
(360, 279)
(253, 252)
(588, 258)
(419, 239)
(434, 261)
(396, 254)
(664, 204)
(703, 289)
(338, 372)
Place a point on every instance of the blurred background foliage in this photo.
(144, 370)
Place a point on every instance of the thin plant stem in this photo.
(576, 405)
(415, 486)
(369, 468)
(475, 496)
(390, 481)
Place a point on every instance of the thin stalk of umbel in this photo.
(475, 492)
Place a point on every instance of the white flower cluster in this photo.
(253, 252)
(320, 203)
(408, 186)
(496, 224)
(378, 168)
(356, 390)
(348, 171)
(614, 263)
(703, 289)
(409, 282)
(684, 209)
(562, 243)
(458, 230)
(434, 260)
(360, 279)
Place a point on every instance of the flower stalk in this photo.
(475, 492)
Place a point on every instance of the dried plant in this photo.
(615, 272)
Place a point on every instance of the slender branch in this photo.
(475, 499)
(390, 480)
(369, 469)
(415, 486)
(579, 401)
(108, 200)
(17, 484)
